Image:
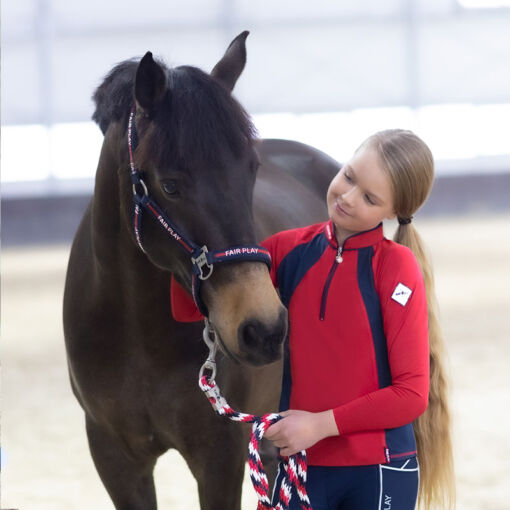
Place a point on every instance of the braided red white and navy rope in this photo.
(294, 466)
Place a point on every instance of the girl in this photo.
(363, 385)
(357, 379)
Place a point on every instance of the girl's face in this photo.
(360, 195)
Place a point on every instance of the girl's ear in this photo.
(392, 216)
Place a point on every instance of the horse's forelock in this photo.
(198, 124)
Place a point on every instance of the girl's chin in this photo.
(340, 226)
(340, 219)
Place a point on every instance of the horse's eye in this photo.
(170, 188)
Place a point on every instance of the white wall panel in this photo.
(138, 14)
(283, 10)
(465, 60)
(81, 63)
(18, 18)
(324, 68)
(302, 56)
(435, 7)
(21, 85)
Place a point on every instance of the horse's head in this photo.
(196, 155)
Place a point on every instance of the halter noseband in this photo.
(202, 260)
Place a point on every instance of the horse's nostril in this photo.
(250, 336)
(257, 336)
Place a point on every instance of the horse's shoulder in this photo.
(310, 166)
(274, 149)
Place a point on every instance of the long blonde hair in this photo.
(410, 165)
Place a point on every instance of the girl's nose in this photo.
(348, 196)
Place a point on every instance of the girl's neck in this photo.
(342, 234)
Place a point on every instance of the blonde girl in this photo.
(340, 412)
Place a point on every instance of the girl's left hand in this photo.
(300, 430)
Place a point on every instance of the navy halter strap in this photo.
(202, 260)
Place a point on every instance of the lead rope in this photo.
(294, 466)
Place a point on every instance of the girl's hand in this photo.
(300, 429)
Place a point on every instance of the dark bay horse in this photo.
(133, 368)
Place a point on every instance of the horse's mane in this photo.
(196, 121)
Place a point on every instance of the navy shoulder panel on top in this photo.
(296, 264)
(400, 441)
(373, 307)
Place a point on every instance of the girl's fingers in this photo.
(287, 452)
(273, 431)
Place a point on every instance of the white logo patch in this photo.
(401, 294)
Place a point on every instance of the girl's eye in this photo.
(348, 177)
(369, 200)
(170, 188)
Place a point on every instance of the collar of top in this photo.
(356, 241)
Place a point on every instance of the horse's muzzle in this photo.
(261, 343)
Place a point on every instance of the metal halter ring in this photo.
(145, 190)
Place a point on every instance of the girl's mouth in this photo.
(340, 210)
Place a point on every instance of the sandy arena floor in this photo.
(45, 460)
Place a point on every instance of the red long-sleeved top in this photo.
(358, 339)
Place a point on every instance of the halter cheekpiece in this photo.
(202, 259)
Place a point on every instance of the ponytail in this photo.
(410, 166)
(432, 429)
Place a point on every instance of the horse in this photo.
(132, 367)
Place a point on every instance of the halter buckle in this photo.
(201, 261)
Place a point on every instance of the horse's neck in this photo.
(106, 205)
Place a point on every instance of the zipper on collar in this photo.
(338, 260)
(338, 257)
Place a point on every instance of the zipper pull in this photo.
(338, 257)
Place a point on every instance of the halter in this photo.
(202, 260)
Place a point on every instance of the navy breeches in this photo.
(392, 486)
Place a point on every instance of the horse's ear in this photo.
(150, 83)
(230, 67)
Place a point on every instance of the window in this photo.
(484, 4)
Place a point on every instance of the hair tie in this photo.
(404, 221)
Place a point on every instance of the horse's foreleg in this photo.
(127, 478)
(218, 465)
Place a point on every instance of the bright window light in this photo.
(25, 153)
(463, 138)
(484, 4)
(64, 151)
